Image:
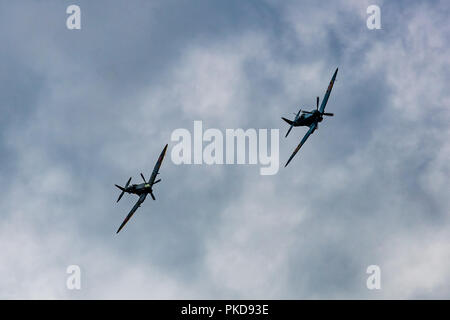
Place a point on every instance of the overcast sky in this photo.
(84, 109)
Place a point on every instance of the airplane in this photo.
(310, 119)
(142, 190)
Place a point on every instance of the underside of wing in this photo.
(157, 165)
(310, 131)
(136, 206)
(327, 93)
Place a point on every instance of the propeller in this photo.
(143, 178)
(123, 189)
(317, 108)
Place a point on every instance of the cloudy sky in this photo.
(84, 109)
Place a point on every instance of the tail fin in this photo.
(121, 188)
(288, 121)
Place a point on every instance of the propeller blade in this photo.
(143, 178)
(157, 181)
(153, 196)
(128, 183)
(317, 103)
(328, 114)
(308, 112)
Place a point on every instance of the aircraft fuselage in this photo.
(139, 188)
(307, 119)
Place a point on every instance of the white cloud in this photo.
(368, 187)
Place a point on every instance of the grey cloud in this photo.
(85, 109)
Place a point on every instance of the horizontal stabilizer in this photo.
(123, 189)
(121, 194)
(287, 133)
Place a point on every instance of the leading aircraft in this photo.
(143, 189)
(310, 119)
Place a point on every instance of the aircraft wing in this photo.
(310, 131)
(136, 206)
(157, 165)
(327, 94)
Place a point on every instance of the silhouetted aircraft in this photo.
(143, 189)
(310, 119)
